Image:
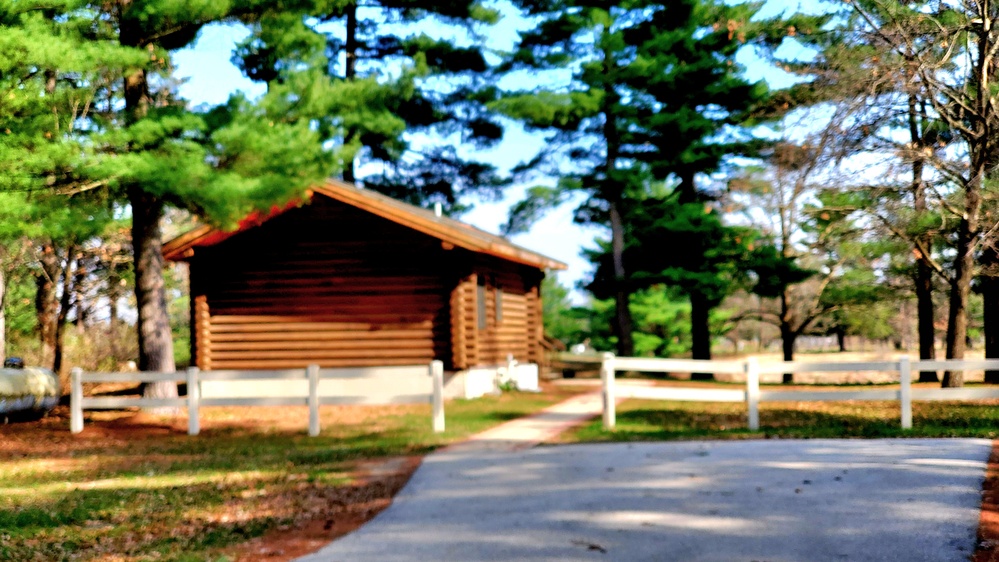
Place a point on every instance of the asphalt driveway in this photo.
(779, 500)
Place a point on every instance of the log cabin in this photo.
(349, 277)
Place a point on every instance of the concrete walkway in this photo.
(496, 498)
(527, 432)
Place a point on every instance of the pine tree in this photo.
(654, 85)
(685, 246)
(398, 97)
(54, 74)
(128, 136)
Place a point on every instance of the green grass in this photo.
(646, 420)
(114, 493)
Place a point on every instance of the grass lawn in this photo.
(647, 420)
(136, 487)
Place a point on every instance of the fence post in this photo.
(76, 400)
(607, 378)
(193, 402)
(437, 399)
(905, 390)
(752, 369)
(312, 371)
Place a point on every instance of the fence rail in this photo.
(752, 395)
(195, 399)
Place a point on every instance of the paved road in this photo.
(817, 500)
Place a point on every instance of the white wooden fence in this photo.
(752, 395)
(313, 398)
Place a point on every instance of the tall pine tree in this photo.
(654, 91)
(403, 87)
(150, 150)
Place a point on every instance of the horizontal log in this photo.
(344, 313)
(306, 267)
(339, 305)
(421, 342)
(331, 296)
(311, 314)
(299, 363)
(312, 322)
(325, 283)
(321, 287)
(322, 335)
(308, 355)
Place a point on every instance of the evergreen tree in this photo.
(128, 135)
(557, 315)
(654, 87)
(704, 267)
(403, 86)
(55, 75)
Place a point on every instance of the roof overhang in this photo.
(448, 231)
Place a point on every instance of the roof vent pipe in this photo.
(438, 209)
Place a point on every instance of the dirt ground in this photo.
(321, 513)
(376, 483)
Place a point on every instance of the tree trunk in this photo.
(841, 339)
(155, 337)
(114, 292)
(927, 332)
(980, 149)
(700, 330)
(350, 71)
(924, 273)
(65, 302)
(3, 315)
(79, 298)
(624, 324)
(964, 262)
(700, 307)
(990, 299)
(612, 192)
(46, 302)
(787, 334)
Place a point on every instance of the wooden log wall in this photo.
(325, 284)
(465, 344)
(514, 326)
